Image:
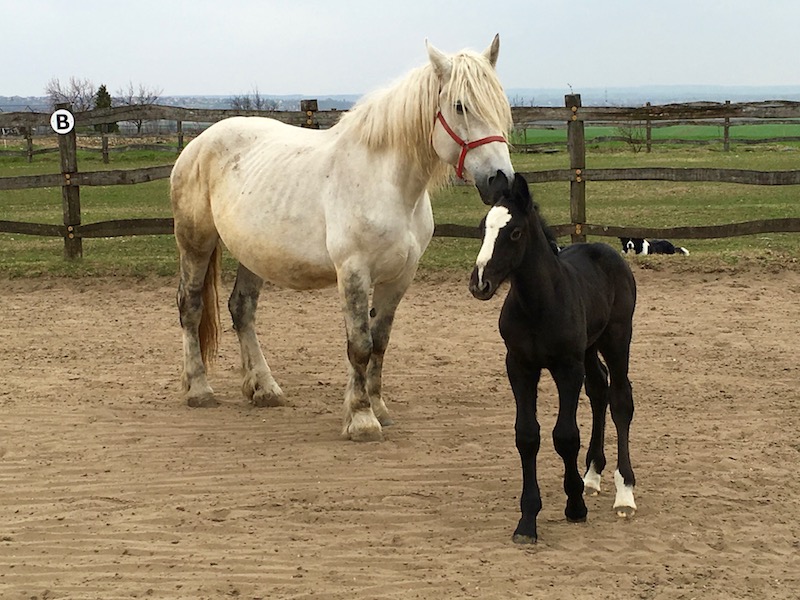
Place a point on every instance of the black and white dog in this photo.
(641, 246)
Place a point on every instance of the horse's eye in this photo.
(516, 234)
(459, 108)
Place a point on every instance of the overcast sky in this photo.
(319, 47)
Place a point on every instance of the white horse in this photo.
(349, 206)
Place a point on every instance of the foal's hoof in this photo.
(519, 538)
(625, 512)
(576, 511)
(576, 519)
(203, 401)
(266, 399)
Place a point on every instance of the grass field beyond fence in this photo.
(624, 203)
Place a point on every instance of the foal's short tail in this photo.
(209, 322)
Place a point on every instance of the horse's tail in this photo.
(209, 322)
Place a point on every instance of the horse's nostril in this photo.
(485, 286)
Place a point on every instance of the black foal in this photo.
(562, 309)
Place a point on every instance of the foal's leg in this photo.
(597, 390)
(194, 264)
(258, 385)
(566, 435)
(385, 298)
(524, 381)
(621, 400)
(360, 423)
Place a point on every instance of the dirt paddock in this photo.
(111, 487)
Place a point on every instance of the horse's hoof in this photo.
(365, 435)
(204, 401)
(589, 491)
(625, 512)
(519, 538)
(385, 421)
(265, 399)
(362, 426)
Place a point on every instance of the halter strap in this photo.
(466, 146)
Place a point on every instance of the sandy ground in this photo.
(111, 487)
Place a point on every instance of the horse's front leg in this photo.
(385, 299)
(360, 423)
(566, 435)
(524, 381)
(258, 385)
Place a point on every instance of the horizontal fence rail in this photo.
(572, 116)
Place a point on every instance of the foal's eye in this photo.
(516, 234)
(459, 108)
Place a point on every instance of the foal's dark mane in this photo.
(548, 232)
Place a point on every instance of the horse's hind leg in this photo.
(617, 355)
(258, 385)
(597, 390)
(195, 266)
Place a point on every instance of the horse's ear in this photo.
(492, 52)
(521, 193)
(442, 64)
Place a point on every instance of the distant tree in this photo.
(102, 99)
(137, 96)
(633, 133)
(253, 101)
(78, 92)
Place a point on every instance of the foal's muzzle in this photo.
(482, 290)
(491, 187)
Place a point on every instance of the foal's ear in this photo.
(442, 65)
(492, 52)
(521, 194)
(498, 186)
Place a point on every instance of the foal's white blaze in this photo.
(497, 218)
(623, 503)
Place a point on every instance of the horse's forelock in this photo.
(474, 83)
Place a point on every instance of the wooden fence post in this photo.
(309, 107)
(726, 140)
(180, 136)
(70, 194)
(104, 145)
(648, 131)
(29, 140)
(576, 145)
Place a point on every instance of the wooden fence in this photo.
(573, 114)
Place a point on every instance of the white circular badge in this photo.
(62, 121)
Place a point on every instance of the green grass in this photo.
(672, 132)
(648, 204)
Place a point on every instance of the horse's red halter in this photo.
(466, 146)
